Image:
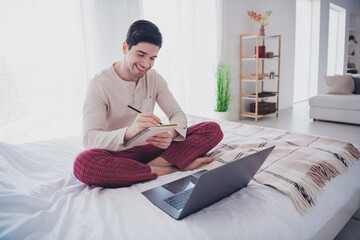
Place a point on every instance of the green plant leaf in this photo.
(223, 87)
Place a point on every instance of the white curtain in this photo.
(105, 24)
(44, 46)
(302, 50)
(49, 49)
(336, 43)
(189, 54)
(42, 71)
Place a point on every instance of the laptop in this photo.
(190, 194)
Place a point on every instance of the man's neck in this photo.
(121, 71)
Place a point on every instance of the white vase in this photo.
(223, 116)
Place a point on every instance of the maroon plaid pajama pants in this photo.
(116, 169)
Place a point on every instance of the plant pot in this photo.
(223, 116)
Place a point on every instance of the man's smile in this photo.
(140, 68)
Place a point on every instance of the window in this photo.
(336, 41)
(187, 59)
(306, 49)
(42, 70)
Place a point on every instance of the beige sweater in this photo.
(106, 115)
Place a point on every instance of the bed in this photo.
(41, 199)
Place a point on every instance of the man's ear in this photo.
(124, 47)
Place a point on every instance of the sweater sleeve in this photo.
(171, 108)
(94, 122)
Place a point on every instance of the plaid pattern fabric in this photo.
(300, 166)
(115, 169)
(200, 138)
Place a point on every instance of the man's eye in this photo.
(141, 55)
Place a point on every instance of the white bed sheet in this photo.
(40, 198)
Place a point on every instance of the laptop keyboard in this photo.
(178, 200)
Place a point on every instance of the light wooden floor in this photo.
(297, 119)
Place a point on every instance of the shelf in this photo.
(352, 61)
(261, 38)
(253, 57)
(252, 115)
(253, 97)
(253, 77)
(266, 79)
(265, 99)
(260, 95)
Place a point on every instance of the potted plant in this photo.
(272, 75)
(260, 18)
(222, 90)
(352, 39)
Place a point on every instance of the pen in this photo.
(138, 111)
(134, 109)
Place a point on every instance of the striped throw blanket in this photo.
(299, 166)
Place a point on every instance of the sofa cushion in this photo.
(357, 85)
(339, 84)
(336, 101)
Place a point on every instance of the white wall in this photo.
(282, 21)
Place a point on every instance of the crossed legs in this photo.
(115, 169)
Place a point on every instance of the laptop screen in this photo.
(181, 185)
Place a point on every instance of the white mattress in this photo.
(41, 199)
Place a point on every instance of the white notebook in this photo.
(141, 137)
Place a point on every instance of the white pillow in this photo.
(340, 84)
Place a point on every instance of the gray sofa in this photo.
(337, 104)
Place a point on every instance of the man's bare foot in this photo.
(163, 170)
(199, 162)
(163, 167)
(159, 162)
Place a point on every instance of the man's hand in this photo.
(162, 140)
(142, 121)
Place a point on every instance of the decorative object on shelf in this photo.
(223, 87)
(262, 19)
(352, 39)
(272, 75)
(351, 65)
(352, 71)
(265, 94)
(264, 107)
(269, 54)
(261, 51)
(260, 75)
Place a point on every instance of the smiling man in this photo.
(108, 122)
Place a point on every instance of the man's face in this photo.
(140, 58)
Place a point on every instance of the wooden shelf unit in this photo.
(259, 82)
(352, 65)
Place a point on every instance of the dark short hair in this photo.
(143, 31)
